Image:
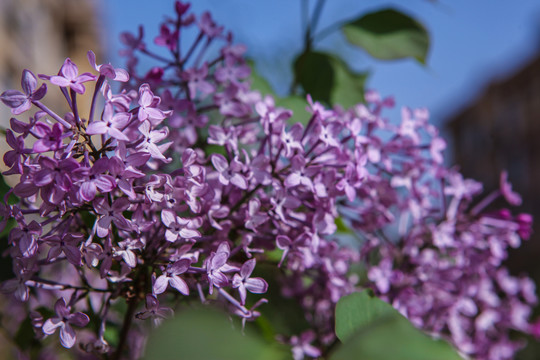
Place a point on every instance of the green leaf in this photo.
(25, 338)
(342, 227)
(328, 79)
(358, 310)
(349, 86)
(258, 82)
(372, 330)
(389, 34)
(298, 106)
(315, 73)
(203, 334)
(284, 315)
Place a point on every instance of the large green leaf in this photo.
(298, 106)
(204, 334)
(389, 34)
(328, 79)
(358, 310)
(315, 72)
(258, 82)
(372, 330)
(348, 87)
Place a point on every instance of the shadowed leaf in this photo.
(389, 34)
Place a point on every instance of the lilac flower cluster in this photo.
(176, 187)
(446, 275)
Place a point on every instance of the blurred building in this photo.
(39, 35)
(501, 130)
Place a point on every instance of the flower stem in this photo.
(126, 326)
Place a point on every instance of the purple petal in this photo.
(103, 225)
(127, 188)
(160, 285)
(28, 82)
(69, 69)
(243, 293)
(247, 268)
(54, 252)
(40, 93)
(41, 146)
(117, 134)
(283, 242)
(239, 181)
(256, 285)
(121, 75)
(20, 109)
(43, 177)
(168, 217)
(11, 139)
(105, 183)
(151, 302)
(97, 127)
(220, 163)
(220, 280)
(180, 266)
(292, 180)
(60, 308)
(79, 319)
(88, 190)
(18, 126)
(120, 120)
(13, 98)
(78, 88)
(219, 260)
(73, 254)
(50, 326)
(138, 159)
(86, 77)
(145, 95)
(171, 236)
(189, 233)
(179, 284)
(67, 336)
(130, 258)
(92, 59)
(25, 189)
(60, 81)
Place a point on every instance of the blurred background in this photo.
(481, 81)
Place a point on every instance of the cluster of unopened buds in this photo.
(174, 189)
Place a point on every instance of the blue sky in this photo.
(473, 42)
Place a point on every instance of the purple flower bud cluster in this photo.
(173, 190)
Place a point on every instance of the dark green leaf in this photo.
(315, 73)
(328, 79)
(389, 34)
(204, 334)
(284, 315)
(373, 330)
(25, 338)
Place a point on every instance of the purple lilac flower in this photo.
(204, 212)
(170, 277)
(244, 282)
(63, 320)
(68, 76)
(107, 69)
(21, 102)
